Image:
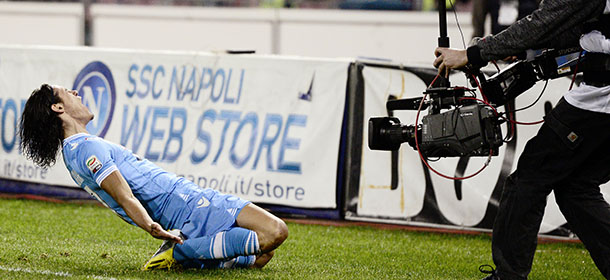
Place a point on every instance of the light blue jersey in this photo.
(91, 159)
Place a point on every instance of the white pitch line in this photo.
(48, 272)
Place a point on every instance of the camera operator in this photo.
(570, 155)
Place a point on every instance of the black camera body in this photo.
(522, 75)
(470, 129)
(467, 127)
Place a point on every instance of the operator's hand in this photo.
(158, 232)
(510, 59)
(447, 59)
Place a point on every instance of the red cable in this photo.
(467, 98)
(571, 84)
(421, 156)
(432, 83)
(481, 90)
(575, 71)
(524, 123)
(509, 120)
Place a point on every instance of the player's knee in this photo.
(281, 233)
(275, 236)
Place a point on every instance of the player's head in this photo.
(44, 116)
(70, 107)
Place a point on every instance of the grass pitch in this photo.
(40, 240)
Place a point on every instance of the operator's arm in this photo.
(555, 24)
(116, 186)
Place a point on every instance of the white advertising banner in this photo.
(422, 197)
(263, 128)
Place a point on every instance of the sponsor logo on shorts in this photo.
(203, 202)
(94, 164)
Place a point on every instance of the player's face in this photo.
(73, 104)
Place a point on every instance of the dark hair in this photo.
(40, 128)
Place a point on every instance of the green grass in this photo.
(87, 241)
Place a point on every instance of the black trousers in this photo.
(570, 155)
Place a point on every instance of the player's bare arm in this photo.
(116, 186)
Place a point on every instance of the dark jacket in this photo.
(555, 24)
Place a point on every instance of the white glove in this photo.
(595, 42)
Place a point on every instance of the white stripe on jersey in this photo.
(105, 174)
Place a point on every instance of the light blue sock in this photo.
(238, 262)
(223, 245)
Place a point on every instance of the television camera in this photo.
(460, 125)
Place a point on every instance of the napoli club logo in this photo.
(95, 86)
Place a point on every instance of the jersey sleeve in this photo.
(95, 159)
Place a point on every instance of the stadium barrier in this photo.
(41, 23)
(285, 132)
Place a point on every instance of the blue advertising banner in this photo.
(262, 127)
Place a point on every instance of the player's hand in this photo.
(447, 59)
(158, 232)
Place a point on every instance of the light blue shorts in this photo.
(211, 212)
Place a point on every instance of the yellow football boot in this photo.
(164, 257)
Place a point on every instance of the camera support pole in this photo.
(443, 39)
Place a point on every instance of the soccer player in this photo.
(208, 229)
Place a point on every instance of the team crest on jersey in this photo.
(93, 164)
